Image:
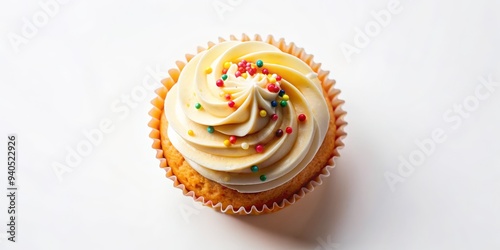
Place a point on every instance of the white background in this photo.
(77, 69)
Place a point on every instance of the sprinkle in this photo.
(244, 146)
(227, 96)
(274, 75)
(274, 103)
(244, 75)
(271, 87)
(265, 71)
(237, 74)
(241, 69)
(263, 177)
(254, 168)
(281, 93)
(283, 103)
(227, 143)
(191, 132)
(222, 93)
(259, 63)
(288, 130)
(208, 70)
(259, 148)
(242, 63)
(232, 139)
(197, 105)
(274, 117)
(252, 71)
(224, 71)
(230, 104)
(227, 65)
(224, 77)
(263, 113)
(272, 80)
(278, 78)
(302, 117)
(279, 133)
(286, 97)
(219, 83)
(210, 129)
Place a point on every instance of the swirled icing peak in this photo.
(247, 115)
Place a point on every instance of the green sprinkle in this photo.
(254, 168)
(210, 129)
(259, 63)
(263, 177)
(283, 103)
(224, 77)
(197, 105)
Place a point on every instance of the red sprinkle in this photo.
(219, 83)
(230, 104)
(232, 139)
(252, 71)
(274, 117)
(271, 87)
(277, 89)
(265, 71)
(302, 117)
(278, 78)
(237, 74)
(228, 97)
(242, 63)
(288, 130)
(224, 71)
(259, 148)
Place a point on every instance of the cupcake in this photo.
(247, 126)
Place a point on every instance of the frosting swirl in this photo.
(247, 115)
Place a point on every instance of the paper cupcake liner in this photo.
(327, 84)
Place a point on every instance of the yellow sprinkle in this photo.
(227, 143)
(208, 70)
(191, 132)
(244, 75)
(286, 97)
(227, 65)
(244, 145)
(272, 80)
(263, 113)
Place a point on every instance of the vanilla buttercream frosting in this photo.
(247, 115)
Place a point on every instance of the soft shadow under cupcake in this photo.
(311, 217)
